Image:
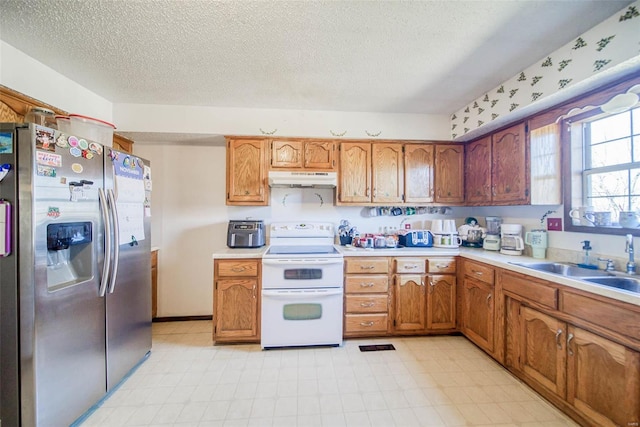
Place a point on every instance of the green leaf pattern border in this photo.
(609, 43)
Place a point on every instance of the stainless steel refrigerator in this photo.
(75, 273)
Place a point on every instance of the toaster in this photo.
(416, 239)
(245, 234)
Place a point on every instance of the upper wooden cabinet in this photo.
(477, 171)
(371, 173)
(246, 172)
(419, 164)
(302, 154)
(449, 174)
(497, 169)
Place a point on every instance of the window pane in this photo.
(611, 153)
(636, 122)
(609, 128)
(608, 191)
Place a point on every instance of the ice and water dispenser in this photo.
(69, 253)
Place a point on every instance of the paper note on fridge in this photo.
(129, 190)
(131, 222)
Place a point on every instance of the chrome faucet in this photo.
(631, 265)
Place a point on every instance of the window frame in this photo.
(567, 177)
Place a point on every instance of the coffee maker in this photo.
(511, 242)
(492, 239)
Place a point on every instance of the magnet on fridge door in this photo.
(4, 170)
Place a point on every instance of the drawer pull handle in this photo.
(410, 267)
(366, 285)
(558, 342)
(367, 304)
(239, 269)
(442, 265)
(476, 272)
(489, 300)
(368, 324)
(367, 267)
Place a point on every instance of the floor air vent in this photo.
(377, 347)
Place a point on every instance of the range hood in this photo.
(303, 179)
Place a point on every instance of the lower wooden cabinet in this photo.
(410, 306)
(603, 379)
(236, 300)
(478, 314)
(154, 284)
(366, 287)
(441, 302)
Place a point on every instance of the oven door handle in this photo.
(302, 261)
(284, 294)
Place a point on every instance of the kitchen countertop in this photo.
(489, 257)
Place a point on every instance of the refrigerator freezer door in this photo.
(59, 324)
(129, 305)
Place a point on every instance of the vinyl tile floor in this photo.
(426, 381)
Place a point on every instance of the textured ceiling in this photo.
(430, 57)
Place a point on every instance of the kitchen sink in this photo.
(623, 283)
(562, 269)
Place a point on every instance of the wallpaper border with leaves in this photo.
(610, 43)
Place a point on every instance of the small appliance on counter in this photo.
(471, 233)
(416, 239)
(538, 241)
(511, 242)
(245, 234)
(491, 241)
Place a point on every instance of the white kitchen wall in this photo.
(20, 72)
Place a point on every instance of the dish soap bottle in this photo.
(586, 262)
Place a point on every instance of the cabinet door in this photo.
(246, 172)
(603, 379)
(478, 313)
(441, 302)
(449, 174)
(355, 173)
(286, 154)
(236, 309)
(542, 355)
(477, 171)
(388, 173)
(319, 155)
(418, 173)
(409, 303)
(509, 170)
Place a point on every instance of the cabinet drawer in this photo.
(242, 268)
(367, 303)
(366, 284)
(441, 265)
(480, 272)
(409, 265)
(530, 289)
(606, 314)
(366, 265)
(366, 323)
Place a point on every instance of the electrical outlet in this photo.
(554, 224)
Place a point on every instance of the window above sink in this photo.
(601, 166)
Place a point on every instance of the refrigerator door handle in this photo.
(116, 239)
(107, 242)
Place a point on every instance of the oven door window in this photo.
(302, 311)
(303, 274)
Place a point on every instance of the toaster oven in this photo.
(245, 234)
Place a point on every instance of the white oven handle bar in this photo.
(306, 294)
(299, 261)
